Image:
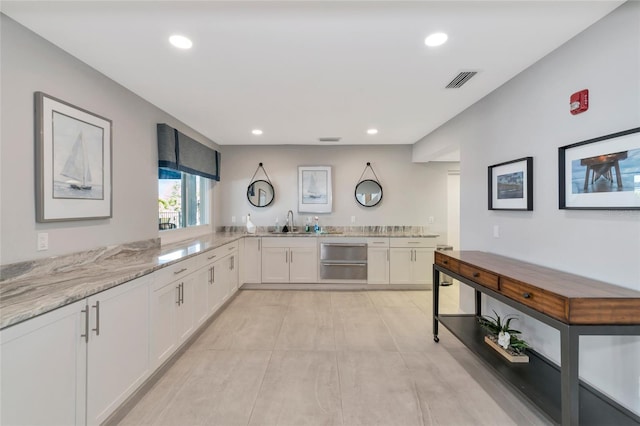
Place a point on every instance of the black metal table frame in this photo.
(569, 338)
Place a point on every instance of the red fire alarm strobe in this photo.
(579, 102)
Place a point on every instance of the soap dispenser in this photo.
(251, 228)
(316, 227)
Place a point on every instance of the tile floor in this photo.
(328, 358)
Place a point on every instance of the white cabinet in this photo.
(289, 260)
(172, 306)
(43, 378)
(378, 261)
(252, 260)
(118, 349)
(411, 260)
(78, 363)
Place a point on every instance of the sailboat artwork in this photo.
(314, 184)
(78, 158)
(77, 167)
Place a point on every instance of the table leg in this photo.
(478, 303)
(569, 379)
(436, 296)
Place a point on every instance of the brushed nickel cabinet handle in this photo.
(213, 274)
(180, 271)
(526, 295)
(212, 257)
(230, 248)
(178, 295)
(97, 307)
(182, 293)
(291, 257)
(85, 311)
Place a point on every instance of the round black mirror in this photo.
(260, 193)
(368, 193)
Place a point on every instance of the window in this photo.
(183, 200)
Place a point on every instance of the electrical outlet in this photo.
(353, 219)
(233, 219)
(43, 241)
(496, 231)
(244, 219)
(431, 219)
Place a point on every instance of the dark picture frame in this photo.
(510, 185)
(602, 173)
(72, 162)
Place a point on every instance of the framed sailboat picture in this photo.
(73, 162)
(314, 189)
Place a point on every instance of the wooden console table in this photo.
(572, 304)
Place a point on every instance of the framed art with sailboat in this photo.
(314, 189)
(73, 162)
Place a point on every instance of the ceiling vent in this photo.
(461, 79)
(330, 139)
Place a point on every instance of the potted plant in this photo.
(504, 339)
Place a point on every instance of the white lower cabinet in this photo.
(118, 348)
(43, 364)
(289, 260)
(378, 261)
(78, 363)
(252, 260)
(411, 260)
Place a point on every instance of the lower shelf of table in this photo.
(538, 380)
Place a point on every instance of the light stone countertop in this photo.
(29, 289)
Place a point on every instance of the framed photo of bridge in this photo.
(73, 162)
(511, 185)
(601, 173)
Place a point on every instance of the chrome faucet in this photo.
(292, 228)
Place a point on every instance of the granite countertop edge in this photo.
(58, 282)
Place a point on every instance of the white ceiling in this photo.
(300, 70)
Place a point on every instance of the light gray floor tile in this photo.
(391, 298)
(304, 329)
(410, 328)
(299, 388)
(263, 298)
(377, 389)
(350, 300)
(310, 300)
(221, 390)
(361, 330)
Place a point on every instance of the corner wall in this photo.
(529, 116)
(29, 64)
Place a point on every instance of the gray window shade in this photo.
(189, 155)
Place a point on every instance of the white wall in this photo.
(30, 64)
(529, 116)
(411, 192)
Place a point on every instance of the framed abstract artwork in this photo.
(511, 185)
(314, 189)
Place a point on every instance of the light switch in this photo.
(431, 219)
(233, 219)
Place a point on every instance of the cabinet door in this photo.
(378, 265)
(44, 369)
(251, 265)
(303, 265)
(164, 303)
(185, 324)
(218, 288)
(423, 266)
(400, 266)
(275, 265)
(233, 276)
(201, 296)
(118, 350)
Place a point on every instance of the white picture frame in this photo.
(73, 162)
(315, 189)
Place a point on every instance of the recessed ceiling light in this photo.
(372, 131)
(436, 39)
(181, 42)
(256, 131)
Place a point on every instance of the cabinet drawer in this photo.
(412, 242)
(176, 271)
(480, 276)
(447, 262)
(535, 298)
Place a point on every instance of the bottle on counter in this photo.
(316, 227)
(276, 228)
(251, 227)
(307, 224)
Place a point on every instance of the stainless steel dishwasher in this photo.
(343, 261)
